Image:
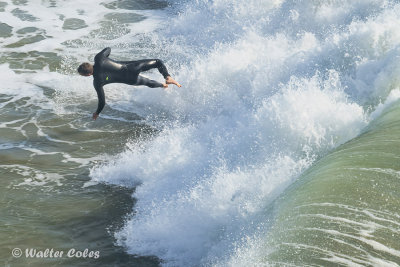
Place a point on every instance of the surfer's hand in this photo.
(95, 115)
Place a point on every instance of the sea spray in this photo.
(264, 95)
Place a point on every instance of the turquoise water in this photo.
(345, 209)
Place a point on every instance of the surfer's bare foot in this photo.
(165, 85)
(169, 80)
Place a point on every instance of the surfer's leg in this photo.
(147, 64)
(150, 83)
(169, 80)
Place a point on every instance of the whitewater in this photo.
(269, 87)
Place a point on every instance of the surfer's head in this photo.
(85, 69)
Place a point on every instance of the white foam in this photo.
(34, 177)
(51, 19)
(263, 95)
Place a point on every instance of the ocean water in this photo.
(280, 148)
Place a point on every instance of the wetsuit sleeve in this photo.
(101, 97)
(103, 53)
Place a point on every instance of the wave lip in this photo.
(345, 209)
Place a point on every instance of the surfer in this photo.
(105, 71)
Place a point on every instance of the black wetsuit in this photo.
(106, 70)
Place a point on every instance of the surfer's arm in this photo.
(102, 100)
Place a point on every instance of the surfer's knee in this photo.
(159, 62)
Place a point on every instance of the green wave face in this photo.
(345, 210)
